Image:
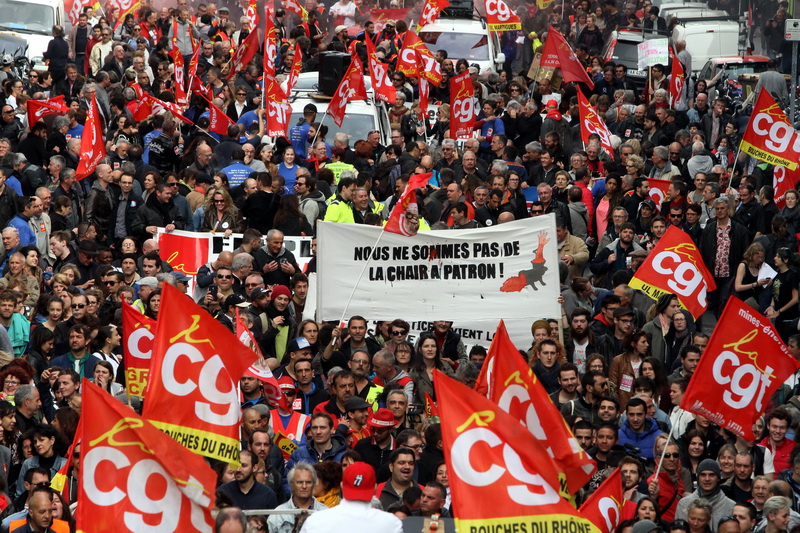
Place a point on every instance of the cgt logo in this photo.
(480, 469)
(685, 279)
(744, 381)
(499, 9)
(609, 509)
(778, 134)
(134, 346)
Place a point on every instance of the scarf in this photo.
(81, 363)
(555, 115)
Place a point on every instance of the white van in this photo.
(707, 39)
(33, 21)
(688, 10)
(465, 39)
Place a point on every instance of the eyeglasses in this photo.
(11, 382)
(224, 276)
(515, 90)
(78, 306)
(289, 393)
(110, 282)
(675, 455)
(625, 320)
(679, 215)
(399, 332)
(536, 211)
(219, 201)
(241, 94)
(172, 184)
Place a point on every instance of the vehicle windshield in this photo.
(626, 53)
(732, 70)
(25, 16)
(357, 126)
(469, 46)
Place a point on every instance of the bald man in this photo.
(206, 273)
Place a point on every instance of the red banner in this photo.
(74, 8)
(499, 16)
(180, 81)
(150, 105)
(495, 459)
(603, 507)
(557, 53)
(658, 191)
(295, 7)
(415, 60)
(591, 123)
(93, 147)
(270, 46)
(218, 120)
(677, 81)
(186, 254)
(783, 180)
(430, 12)
(350, 88)
(278, 109)
(462, 106)
(769, 135)
(41, 108)
(193, 389)
(252, 15)
(138, 332)
(244, 54)
(380, 16)
(517, 391)
(297, 66)
(743, 365)
(379, 72)
(675, 266)
(405, 215)
(133, 477)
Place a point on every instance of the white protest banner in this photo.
(505, 271)
(653, 52)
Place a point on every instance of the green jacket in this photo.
(340, 211)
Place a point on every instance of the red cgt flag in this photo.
(517, 391)
(138, 333)
(462, 106)
(278, 109)
(658, 191)
(677, 81)
(133, 477)
(783, 180)
(495, 459)
(379, 72)
(297, 66)
(180, 81)
(218, 120)
(192, 392)
(431, 409)
(675, 266)
(430, 12)
(184, 251)
(416, 60)
(252, 14)
(404, 219)
(744, 364)
(270, 46)
(259, 369)
(603, 507)
(244, 53)
(591, 123)
(350, 88)
(769, 135)
(558, 53)
(499, 16)
(93, 147)
(41, 108)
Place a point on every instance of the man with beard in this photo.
(671, 484)
(604, 441)
(613, 257)
(568, 385)
(401, 466)
(595, 386)
(611, 344)
(632, 472)
(244, 491)
(377, 448)
(343, 386)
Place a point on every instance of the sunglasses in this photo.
(78, 306)
(224, 276)
(400, 332)
(675, 455)
(536, 211)
(110, 282)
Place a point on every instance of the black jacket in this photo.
(100, 208)
(154, 213)
(262, 257)
(740, 240)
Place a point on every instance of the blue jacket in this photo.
(62, 361)
(309, 454)
(644, 440)
(26, 235)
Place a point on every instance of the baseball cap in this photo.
(382, 418)
(297, 344)
(180, 276)
(620, 312)
(236, 299)
(645, 526)
(286, 382)
(355, 403)
(552, 104)
(340, 28)
(259, 292)
(389, 22)
(149, 281)
(358, 482)
(649, 203)
(224, 9)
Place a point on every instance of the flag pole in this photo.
(314, 140)
(355, 285)
(664, 451)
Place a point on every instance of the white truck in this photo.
(32, 21)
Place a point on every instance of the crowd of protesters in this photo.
(616, 363)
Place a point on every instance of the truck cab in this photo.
(33, 21)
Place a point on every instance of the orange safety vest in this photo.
(294, 429)
(59, 526)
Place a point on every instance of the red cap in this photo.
(286, 382)
(358, 482)
(551, 104)
(382, 418)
